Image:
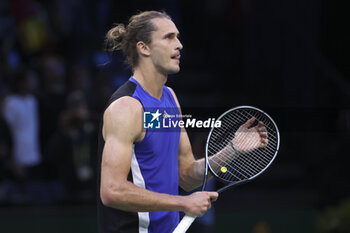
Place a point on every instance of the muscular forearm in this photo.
(193, 176)
(129, 197)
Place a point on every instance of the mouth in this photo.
(176, 57)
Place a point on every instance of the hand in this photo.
(247, 139)
(199, 202)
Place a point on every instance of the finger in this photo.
(249, 122)
(263, 134)
(261, 127)
(264, 142)
(213, 195)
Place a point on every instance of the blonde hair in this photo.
(139, 28)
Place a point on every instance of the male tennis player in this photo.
(140, 170)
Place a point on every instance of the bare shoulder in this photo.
(124, 105)
(174, 95)
(123, 116)
(171, 90)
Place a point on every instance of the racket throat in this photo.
(234, 184)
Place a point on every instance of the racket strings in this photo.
(243, 166)
(235, 166)
(230, 172)
(242, 163)
(225, 154)
(271, 145)
(240, 121)
(254, 168)
(242, 174)
(239, 162)
(223, 162)
(255, 162)
(267, 122)
(268, 147)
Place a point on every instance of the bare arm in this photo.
(122, 128)
(191, 171)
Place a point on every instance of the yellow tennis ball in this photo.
(223, 169)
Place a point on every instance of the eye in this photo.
(171, 36)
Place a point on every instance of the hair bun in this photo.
(115, 37)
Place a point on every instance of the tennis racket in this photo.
(241, 149)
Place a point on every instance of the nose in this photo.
(179, 45)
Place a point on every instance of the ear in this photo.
(143, 48)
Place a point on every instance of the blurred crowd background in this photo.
(287, 57)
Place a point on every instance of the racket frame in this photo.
(230, 184)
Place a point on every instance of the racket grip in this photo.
(184, 224)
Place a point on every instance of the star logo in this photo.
(156, 115)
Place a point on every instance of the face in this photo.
(165, 46)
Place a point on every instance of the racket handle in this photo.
(185, 223)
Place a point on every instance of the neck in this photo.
(150, 80)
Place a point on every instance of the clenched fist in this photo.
(198, 203)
